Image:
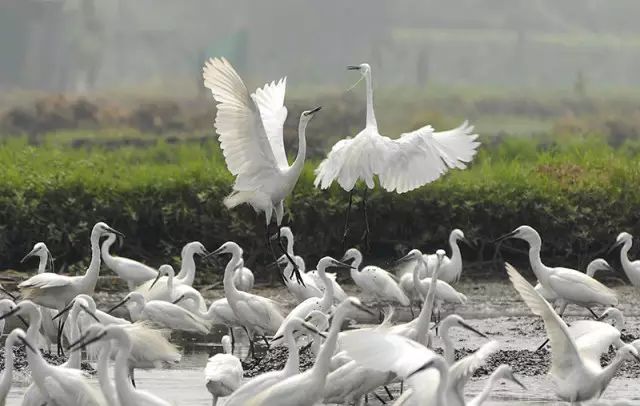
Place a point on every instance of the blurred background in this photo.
(103, 116)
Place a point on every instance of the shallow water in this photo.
(501, 316)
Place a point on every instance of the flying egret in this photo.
(257, 314)
(223, 373)
(49, 328)
(7, 375)
(594, 266)
(243, 277)
(322, 304)
(164, 314)
(306, 388)
(415, 159)
(574, 368)
(133, 272)
(569, 285)
(301, 291)
(374, 281)
(291, 367)
(250, 133)
(187, 274)
(127, 394)
(631, 268)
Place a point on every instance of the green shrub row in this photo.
(579, 194)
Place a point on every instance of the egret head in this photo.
(629, 352)
(92, 334)
(39, 249)
(354, 255)
(506, 372)
(134, 297)
(598, 264)
(440, 254)
(194, 247)
(616, 315)
(623, 237)
(526, 233)
(102, 228)
(455, 320)
(228, 247)
(354, 303)
(363, 68)
(307, 115)
(326, 262)
(164, 270)
(413, 255)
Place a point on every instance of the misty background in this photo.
(158, 46)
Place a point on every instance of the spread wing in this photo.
(422, 156)
(270, 101)
(463, 369)
(243, 138)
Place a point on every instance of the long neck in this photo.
(371, 117)
(42, 265)
(290, 237)
(103, 373)
(74, 357)
(106, 246)
(126, 393)
(627, 265)
(427, 306)
(327, 296)
(442, 367)
(456, 256)
(91, 277)
(539, 269)
(298, 164)
(7, 376)
(484, 394)
(321, 367)
(449, 350)
(230, 290)
(292, 365)
(610, 370)
(188, 268)
(35, 321)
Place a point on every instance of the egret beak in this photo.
(407, 258)
(311, 328)
(29, 255)
(614, 246)
(468, 327)
(23, 321)
(353, 67)
(340, 264)
(422, 368)
(78, 341)
(10, 313)
(517, 381)
(93, 340)
(90, 313)
(26, 344)
(313, 111)
(469, 242)
(219, 251)
(607, 267)
(116, 232)
(6, 292)
(122, 303)
(274, 237)
(63, 311)
(275, 338)
(155, 280)
(505, 236)
(178, 300)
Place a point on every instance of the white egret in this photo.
(569, 285)
(257, 314)
(243, 277)
(594, 266)
(306, 388)
(187, 274)
(338, 293)
(127, 394)
(322, 304)
(173, 291)
(223, 373)
(164, 314)
(574, 368)
(351, 382)
(415, 159)
(7, 375)
(265, 380)
(616, 315)
(375, 281)
(133, 272)
(320, 321)
(453, 320)
(502, 372)
(301, 291)
(49, 328)
(106, 384)
(631, 268)
(250, 133)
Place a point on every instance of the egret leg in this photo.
(252, 352)
(346, 222)
(59, 338)
(266, 342)
(366, 220)
(593, 313)
(296, 270)
(233, 340)
(542, 345)
(273, 253)
(388, 392)
(133, 381)
(379, 398)
(215, 400)
(401, 387)
(413, 315)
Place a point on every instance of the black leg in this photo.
(296, 270)
(402, 386)
(379, 398)
(133, 380)
(273, 253)
(59, 338)
(252, 351)
(388, 392)
(593, 313)
(346, 222)
(542, 345)
(266, 342)
(233, 340)
(366, 220)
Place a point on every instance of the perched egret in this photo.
(133, 272)
(243, 277)
(250, 133)
(322, 304)
(631, 268)
(569, 285)
(403, 164)
(594, 266)
(574, 368)
(257, 314)
(374, 281)
(223, 373)
(291, 367)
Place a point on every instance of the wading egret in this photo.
(223, 373)
(250, 133)
(578, 378)
(594, 266)
(306, 388)
(374, 281)
(133, 272)
(569, 285)
(631, 268)
(257, 314)
(322, 304)
(265, 380)
(403, 164)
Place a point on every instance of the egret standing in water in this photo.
(413, 160)
(250, 129)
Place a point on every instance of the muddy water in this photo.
(493, 308)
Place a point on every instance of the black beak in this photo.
(340, 264)
(90, 313)
(10, 313)
(155, 281)
(314, 110)
(178, 300)
(278, 337)
(93, 340)
(504, 237)
(219, 251)
(614, 246)
(78, 341)
(116, 232)
(29, 255)
(406, 258)
(468, 327)
(63, 311)
(353, 67)
(6, 292)
(125, 300)
(26, 344)
(516, 380)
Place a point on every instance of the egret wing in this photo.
(593, 338)
(243, 139)
(463, 369)
(46, 280)
(564, 354)
(270, 101)
(422, 156)
(579, 287)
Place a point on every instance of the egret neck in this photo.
(371, 117)
(188, 267)
(627, 266)
(357, 261)
(90, 278)
(539, 269)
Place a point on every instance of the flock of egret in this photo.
(349, 363)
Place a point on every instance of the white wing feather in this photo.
(463, 369)
(270, 101)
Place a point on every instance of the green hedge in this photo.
(579, 194)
